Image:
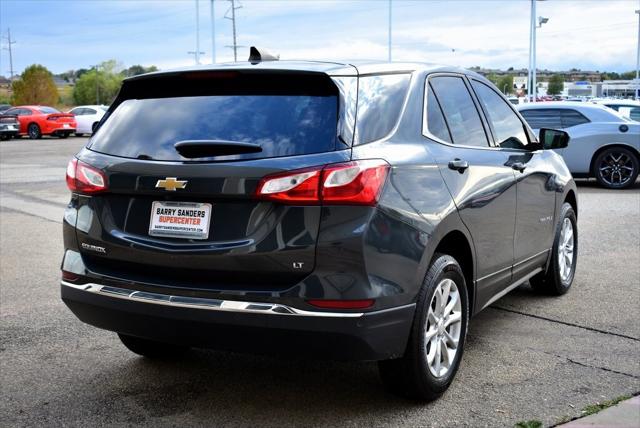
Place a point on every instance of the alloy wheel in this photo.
(616, 169)
(443, 327)
(565, 250)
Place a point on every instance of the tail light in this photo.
(349, 183)
(83, 178)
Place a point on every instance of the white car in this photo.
(603, 144)
(88, 117)
(627, 108)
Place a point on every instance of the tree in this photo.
(556, 85)
(492, 77)
(135, 70)
(35, 86)
(505, 84)
(99, 85)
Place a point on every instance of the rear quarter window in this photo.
(571, 118)
(380, 101)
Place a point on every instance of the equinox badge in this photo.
(171, 184)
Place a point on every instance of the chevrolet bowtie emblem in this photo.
(171, 184)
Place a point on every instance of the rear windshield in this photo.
(282, 124)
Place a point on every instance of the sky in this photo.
(72, 34)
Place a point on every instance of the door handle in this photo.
(518, 166)
(458, 165)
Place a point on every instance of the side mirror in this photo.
(553, 139)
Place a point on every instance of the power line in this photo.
(9, 43)
(233, 9)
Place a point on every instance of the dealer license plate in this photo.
(188, 220)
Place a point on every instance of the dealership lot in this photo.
(527, 357)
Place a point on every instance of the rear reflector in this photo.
(342, 304)
(68, 276)
(83, 178)
(349, 183)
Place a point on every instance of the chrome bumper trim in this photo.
(202, 303)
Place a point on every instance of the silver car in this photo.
(604, 144)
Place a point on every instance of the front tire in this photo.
(437, 338)
(150, 348)
(34, 131)
(559, 276)
(616, 168)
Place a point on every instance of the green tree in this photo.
(505, 84)
(556, 85)
(35, 86)
(135, 70)
(493, 78)
(99, 85)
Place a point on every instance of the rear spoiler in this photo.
(54, 116)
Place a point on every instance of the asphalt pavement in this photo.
(527, 357)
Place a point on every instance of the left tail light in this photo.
(349, 183)
(83, 178)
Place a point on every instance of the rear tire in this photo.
(435, 346)
(78, 134)
(150, 348)
(616, 168)
(559, 276)
(33, 130)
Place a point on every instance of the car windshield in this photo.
(48, 110)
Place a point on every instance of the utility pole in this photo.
(389, 30)
(531, 29)
(213, 35)
(233, 9)
(97, 90)
(9, 43)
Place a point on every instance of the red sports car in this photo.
(36, 121)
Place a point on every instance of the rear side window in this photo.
(507, 127)
(571, 118)
(459, 111)
(283, 120)
(542, 118)
(380, 101)
(435, 120)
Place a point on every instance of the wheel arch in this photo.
(456, 244)
(610, 146)
(570, 198)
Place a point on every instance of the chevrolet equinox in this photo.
(346, 211)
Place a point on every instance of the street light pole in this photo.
(638, 60)
(197, 55)
(531, 30)
(389, 41)
(213, 35)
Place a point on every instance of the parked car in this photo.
(88, 117)
(4, 107)
(36, 121)
(627, 108)
(267, 217)
(9, 126)
(603, 145)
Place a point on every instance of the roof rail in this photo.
(257, 55)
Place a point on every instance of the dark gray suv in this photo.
(347, 211)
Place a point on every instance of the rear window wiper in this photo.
(207, 148)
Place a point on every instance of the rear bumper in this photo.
(243, 326)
